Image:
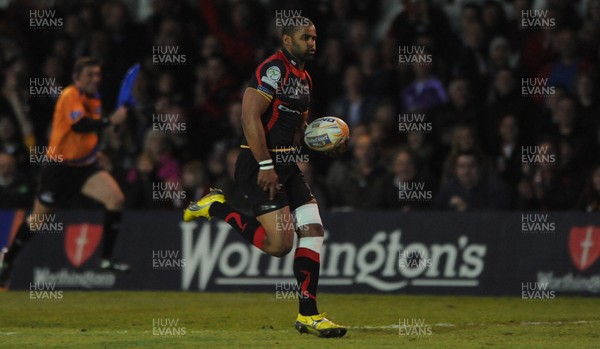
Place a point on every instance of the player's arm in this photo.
(254, 104)
(86, 124)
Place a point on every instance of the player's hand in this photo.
(118, 116)
(269, 181)
(339, 150)
(458, 203)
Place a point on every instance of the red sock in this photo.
(306, 269)
(247, 226)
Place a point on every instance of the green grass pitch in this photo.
(259, 320)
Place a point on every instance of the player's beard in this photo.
(310, 55)
(302, 54)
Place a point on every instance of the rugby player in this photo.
(274, 119)
(73, 150)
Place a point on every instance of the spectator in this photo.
(552, 190)
(505, 97)
(379, 82)
(586, 93)
(354, 105)
(227, 183)
(238, 34)
(421, 145)
(339, 18)
(425, 93)
(568, 65)
(235, 132)
(460, 109)
(219, 87)
(361, 183)
(15, 191)
(329, 73)
(41, 109)
(158, 149)
(407, 190)
(11, 143)
(590, 197)
(568, 127)
(471, 189)
(499, 55)
(358, 39)
(507, 150)
(144, 187)
(593, 11)
(316, 184)
(419, 17)
(13, 98)
(469, 14)
(494, 19)
(464, 139)
(472, 59)
(194, 182)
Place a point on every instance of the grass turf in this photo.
(258, 320)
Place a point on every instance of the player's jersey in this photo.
(74, 148)
(288, 88)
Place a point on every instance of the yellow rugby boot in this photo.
(200, 208)
(319, 326)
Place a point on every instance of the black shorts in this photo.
(59, 183)
(294, 192)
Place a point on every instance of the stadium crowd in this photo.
(483, 141)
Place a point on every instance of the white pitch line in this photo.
(445, 324)
(388, 327)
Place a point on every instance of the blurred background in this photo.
(474, 94)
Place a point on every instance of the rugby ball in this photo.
(326, 133)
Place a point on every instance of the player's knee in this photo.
(311, 230)
(282, 248)
(116, 201)
(281, 251)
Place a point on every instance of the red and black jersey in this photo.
(287, 88)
